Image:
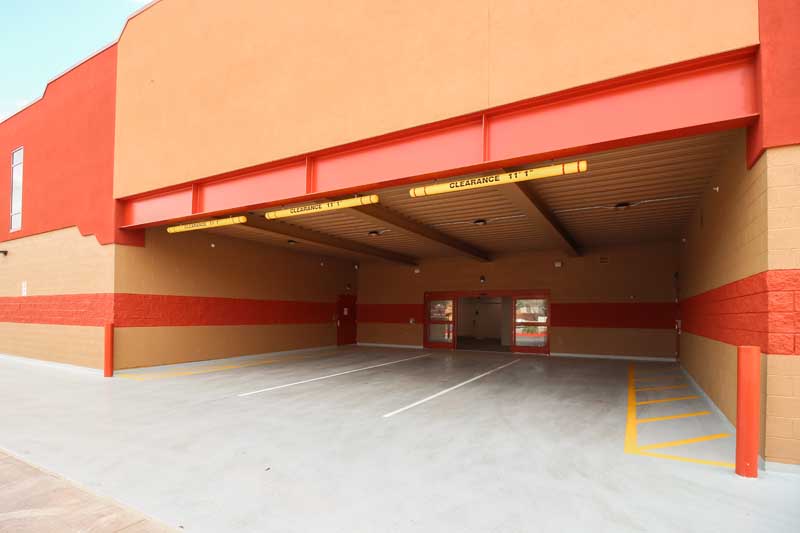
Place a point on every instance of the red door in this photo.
(531, 324)
(440, 322)
(346, 319)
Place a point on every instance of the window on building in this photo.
(16, 189)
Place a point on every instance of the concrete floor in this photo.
(536, 445)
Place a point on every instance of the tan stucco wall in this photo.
(641, 273)
(209, 87)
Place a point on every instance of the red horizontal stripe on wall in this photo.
(62, 309)
(761, 310)
(145, 310)
(580, 315)
(391, 313)
(644, 315)
(142, 310)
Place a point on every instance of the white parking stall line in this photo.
(331, 375)
(454, 387)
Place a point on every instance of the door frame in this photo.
(351, 313)
(514, 294)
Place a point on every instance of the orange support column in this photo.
(748, 410)
(108, 360)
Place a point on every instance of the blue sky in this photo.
(39, 39)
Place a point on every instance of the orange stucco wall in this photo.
(205, 88)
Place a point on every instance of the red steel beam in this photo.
(698, 96)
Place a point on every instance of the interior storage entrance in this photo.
(516, 321)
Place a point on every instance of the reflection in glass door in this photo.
(440, 323)
(531, 323)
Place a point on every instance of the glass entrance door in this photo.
(531, 325)
(440, 322)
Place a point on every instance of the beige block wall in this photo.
(54, 263)
(203, 74)
(726, 240)
(750, 226)
(782, 441)
(74, 345)
(201, 263)
(57, 262)
(641, 273)
(137, 347)
(712, 364)
(726, 237)
(614, 341)
(783, 213)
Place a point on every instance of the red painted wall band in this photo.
(761, 310)
(640, 315)
(643, 315)
(142, 310)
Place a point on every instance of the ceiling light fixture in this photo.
(625, 205)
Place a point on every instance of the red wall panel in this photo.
(68, 137)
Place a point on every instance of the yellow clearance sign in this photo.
(205, 224)
(499, 179)
(319, 208)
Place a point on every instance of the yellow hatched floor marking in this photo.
(688, 459)
(217, 368)
(657, 377)
(665, 400)
(631, 435)
(671, 417)
(673, 443)
(630, 428)
(663, 387)
(664, 372)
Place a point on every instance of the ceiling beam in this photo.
(328, 241)
(378, 214)
(537, 211)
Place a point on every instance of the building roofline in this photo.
(82, 61)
